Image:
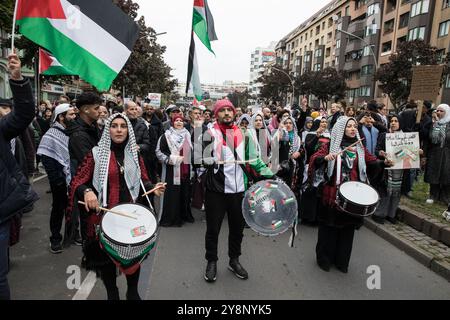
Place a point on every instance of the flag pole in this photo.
(14, 26)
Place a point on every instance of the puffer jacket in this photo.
(15, 190)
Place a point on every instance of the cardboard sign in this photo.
(426, 82)
(403, 149)
(155, 100)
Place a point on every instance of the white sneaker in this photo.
(446, 215)
(430, 201)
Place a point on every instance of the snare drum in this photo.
(357, 199)
(128, 241)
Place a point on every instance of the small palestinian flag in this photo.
(93, 39)
(50, 66)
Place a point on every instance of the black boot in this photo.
(211, 271)
(237, 269)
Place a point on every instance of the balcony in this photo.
(353, 46)
(357, 28)
(352, 65)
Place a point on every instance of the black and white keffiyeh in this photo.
(292, 136)
(102, 155)
(337, 134)
(55, 145)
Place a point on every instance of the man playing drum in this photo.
(343, 159)
(111, 173)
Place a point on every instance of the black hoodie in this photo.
(82, 138)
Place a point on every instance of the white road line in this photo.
(40, 178)
(86, 287)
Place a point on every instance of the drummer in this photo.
(226, 183)
(110, 174)
(336, 229)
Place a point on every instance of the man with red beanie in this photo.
(226, 182)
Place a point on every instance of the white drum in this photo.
(357, 198)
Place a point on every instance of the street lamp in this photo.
(157, 34)
(290, 78)
(336, 18)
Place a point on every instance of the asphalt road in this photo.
(174, 270)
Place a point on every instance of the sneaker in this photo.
(430, 201)
(211, 271)
(56, 248)
(237, 269)
(409, 194)
(446, 215)
(78, 241)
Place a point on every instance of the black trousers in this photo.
(216, 205)
(334, 245)
(59, 205)
(109, 277)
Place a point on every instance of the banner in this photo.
(403, 149)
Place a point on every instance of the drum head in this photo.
(359, 193)
(269, 207)
(127, 230)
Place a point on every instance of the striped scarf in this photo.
(102, 155)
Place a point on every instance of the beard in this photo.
(101, 122)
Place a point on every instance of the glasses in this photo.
(440, 111)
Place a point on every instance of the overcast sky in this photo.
(241, 26)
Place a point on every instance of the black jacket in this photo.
(141, 134)
(82, 138)
(15, 190)
(157, 125)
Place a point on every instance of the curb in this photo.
(440, 267)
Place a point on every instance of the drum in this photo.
(128, 240)
(357, 199)
(269, 207)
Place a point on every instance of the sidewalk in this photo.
(425, 239)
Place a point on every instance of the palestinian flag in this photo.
(203, 23)
(193, 79)
(50, 66)
(93, 39)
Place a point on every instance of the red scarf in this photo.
(231, 132)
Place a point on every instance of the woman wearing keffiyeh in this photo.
(111, 173)
(173, 151)
(336, 229)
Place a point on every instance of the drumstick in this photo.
(236, 162)
(115, 212)
(153, 190)
(350, 146)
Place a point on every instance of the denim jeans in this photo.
(4, 263)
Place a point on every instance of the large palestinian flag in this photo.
(50, 66)
(92, 38)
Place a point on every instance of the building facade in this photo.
(359, 36)
(260, 57)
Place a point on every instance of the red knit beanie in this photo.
(175, 117)
(220, 104)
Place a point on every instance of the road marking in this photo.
(40, 178)
(86, 287)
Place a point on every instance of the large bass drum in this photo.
(357, 199)
(269, 207)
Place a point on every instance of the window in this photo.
(317, 67)
(364, 91)
(327, 52)
(447, 81)
(347, 11)
(445, 4)
(307, 57)
(420, 7)
(389, 26)
(404, 19)
(306, 36)
(367, 70)
(366, 51)
(386, 47)
(318, 53)
(440, 55)
(443, 28)
(317, 30)
(322, 40)
(338, 43)
(329, 36)
(330, 22)
(373, 9)
(359, 3)
(416, 33)
(370, 30)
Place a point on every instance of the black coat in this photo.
(15, 190)
(141, 134)
(82, 138)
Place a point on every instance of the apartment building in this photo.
(260, 57)
(358, 36)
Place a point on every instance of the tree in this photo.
(145, 70)
(275, 85)
(395, 77)
(326, 84)
(239, 99)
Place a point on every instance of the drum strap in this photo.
(338, 170)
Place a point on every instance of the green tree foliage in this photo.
(276, 84)
(395, 77)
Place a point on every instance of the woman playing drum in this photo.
(336, 229)
(111, 173)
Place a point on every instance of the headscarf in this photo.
(337, 135)
(253, 132)
(102, 155)
(294, 139)
(306, 130)
(176, 140)
(440, 127)
(315, 127)
(244, 117)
